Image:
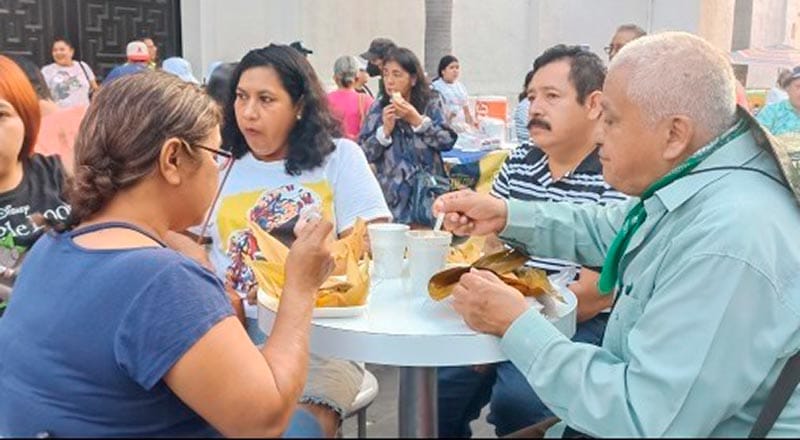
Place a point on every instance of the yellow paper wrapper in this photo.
(468, 252)
(347, 288)
(354, 243)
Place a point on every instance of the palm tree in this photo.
(438, 32)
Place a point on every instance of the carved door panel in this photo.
(100, 30)
(27, 27)
(106, 27)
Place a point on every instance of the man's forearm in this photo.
(579, 233)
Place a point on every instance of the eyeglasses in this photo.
(613, 48)
(222, 157)
(225, 160)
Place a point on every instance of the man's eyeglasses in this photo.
(614, 48)
(225, 160)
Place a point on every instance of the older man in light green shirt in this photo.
(705, 266)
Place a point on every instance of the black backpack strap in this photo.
(85, 74)
(778, 397)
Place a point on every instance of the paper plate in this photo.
(271, 303)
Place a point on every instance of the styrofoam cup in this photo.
(427, 254)
(387, 242)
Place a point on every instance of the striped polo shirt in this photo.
(525, 175)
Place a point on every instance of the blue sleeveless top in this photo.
(89, 334)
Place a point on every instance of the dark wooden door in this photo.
(27, 27)
(100, 30)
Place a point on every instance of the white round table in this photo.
(415, 333)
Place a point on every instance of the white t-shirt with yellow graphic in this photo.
(342, 189)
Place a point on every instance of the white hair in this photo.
(676, 73)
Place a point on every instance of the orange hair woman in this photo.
(29, 183)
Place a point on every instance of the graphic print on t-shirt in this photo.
(10, 253)
(64, 84)
(275, 211)
(16, 222)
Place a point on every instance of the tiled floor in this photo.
(382, 415)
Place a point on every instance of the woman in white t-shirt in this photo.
(454, 94)
(289, 156)
(70, 82)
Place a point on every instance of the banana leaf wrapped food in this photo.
(509, 266)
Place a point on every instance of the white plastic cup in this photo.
(427, 255)
(387, 242)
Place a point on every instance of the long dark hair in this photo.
(311, 139)
(218, 86)
(34, 75)
(443, 63)
(421, 91)
(524, 93)
(60, 39)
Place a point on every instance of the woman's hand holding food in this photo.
(406, 111)
(310, 262)
(389, 118)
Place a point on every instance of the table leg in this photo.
(417, 406)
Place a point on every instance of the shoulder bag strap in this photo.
(88, 80)
(778, 398)
(361, 110)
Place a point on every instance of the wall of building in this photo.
(769, 19)
(771, 23)
(793, 23)
(716, 22)
(495, 41)
(224, 31)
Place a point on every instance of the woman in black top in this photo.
(29, 183)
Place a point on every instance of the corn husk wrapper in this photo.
(354, 243)
(346, 289)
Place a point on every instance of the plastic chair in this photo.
(365, 397)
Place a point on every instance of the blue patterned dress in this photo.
(780, 118)
(397, 163)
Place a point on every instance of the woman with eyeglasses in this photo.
(290, 158)
(117, 326)
(403, 137)
(30, 183)
(624, 35)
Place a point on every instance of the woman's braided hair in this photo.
(120, 138)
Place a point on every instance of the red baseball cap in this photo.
(137, 51)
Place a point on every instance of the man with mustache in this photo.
(563, 165)
(703, 339)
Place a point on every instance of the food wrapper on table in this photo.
(348, 286)
(509, 266)
(467, 252)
